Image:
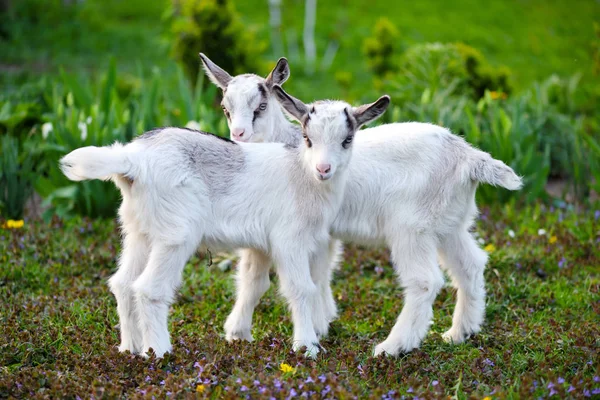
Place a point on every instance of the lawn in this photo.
(532, 37)
(59, 333)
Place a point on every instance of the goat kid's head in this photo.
(328, 128)
(252, 113)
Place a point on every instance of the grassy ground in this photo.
(58, 336)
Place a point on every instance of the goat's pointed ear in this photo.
(280, 73)
(370, 112)
(294, 107)
(216, 74)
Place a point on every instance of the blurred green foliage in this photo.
(215, 28)
(381, 48)
(57, 72)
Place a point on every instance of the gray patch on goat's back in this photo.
(218, 163)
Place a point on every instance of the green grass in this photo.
(532, 37)
(59, 339)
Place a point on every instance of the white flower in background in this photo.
(83, 129)
(88, 120)
(541, 232)
(481, 241)
(193, 125)
(46, 129)
(511, 233)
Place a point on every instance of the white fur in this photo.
(184, 189)
(411, 186)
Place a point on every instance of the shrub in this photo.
(381, 48)
(212, 27)
(17, 174)
(435, 66)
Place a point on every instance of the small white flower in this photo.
(511, 233)
(541, 232)
(83, 129)
(481, 241)
(88, 120)
(46, 129)
(193, 125)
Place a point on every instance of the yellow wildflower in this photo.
(490, 248)
(286, 368)
(200, 388)
(12, 224)
(487, 398)
(552, 239)
(497, 95)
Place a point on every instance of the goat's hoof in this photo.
(312, 349)
(453, 336)
(239, 335)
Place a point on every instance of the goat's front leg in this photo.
(252, 283)
(155, 291)
(321, 270)
(299, 290)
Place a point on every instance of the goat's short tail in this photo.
(489, 170)
(95, 162)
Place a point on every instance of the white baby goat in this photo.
(411, 186)
(183, 189)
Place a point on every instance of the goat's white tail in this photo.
(95, 162)
(489, 170)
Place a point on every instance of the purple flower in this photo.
(597, 214)
(596, 391)
(326, 390)
(434, 383)
(256, 383)
(277, 383)
(552, 392)
(293, 393)
(550, 385)
(378, 270)
(147, 379)
(535, 384)
(410, 390)
(162, 383)
(597, 379)
(304, 394)
(562, 262)
(570, 389)
(238, 380)
(309, 380)
(586, 393)
(169, 394)
(489, 362)
(560, 380)
(322, 378)
(262, 389)
(244, 388)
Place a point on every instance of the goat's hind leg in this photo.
(155, 291)
(131, 264)
(415, 261)
(465, 262)
(252, 283)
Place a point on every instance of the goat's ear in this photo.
(370, 112)
(280, 73)
(216, 74)
(294, 107)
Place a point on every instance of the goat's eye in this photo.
(347, 142)
(307, 140)
(262, 107)
(225, 111)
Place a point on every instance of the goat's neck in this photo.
(285, 131)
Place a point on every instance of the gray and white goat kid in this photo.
(410, 186)
(185, 189)
(251, 110)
